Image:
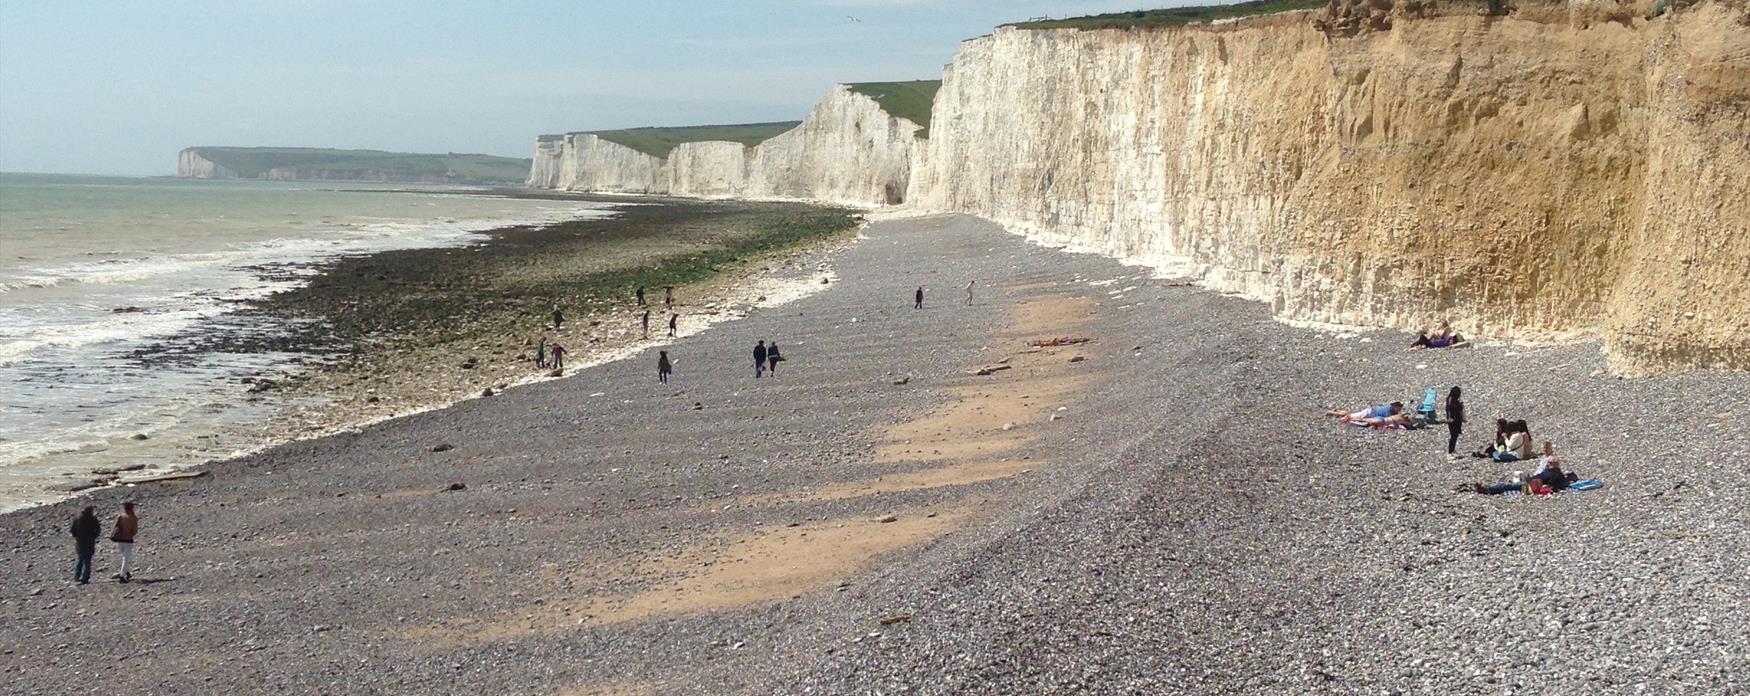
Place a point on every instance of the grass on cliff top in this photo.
(907, 100)
(1170, 16)
(252, 162)
(660, 141)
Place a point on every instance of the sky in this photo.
(118, 87)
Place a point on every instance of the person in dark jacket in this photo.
(773, 358)
(673, 320)
(86, 530)
(664, 367)
(644, 321)
(558, 317)
(918, 299)
(641, 296)
(1454, 420)
(759, 359)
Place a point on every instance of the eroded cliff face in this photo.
(544, 168)
(191, 165)
(1527, 179)
(588, 163)
(848, 151)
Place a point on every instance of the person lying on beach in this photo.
(1548, 478)
(1441, 337)
(1378, 415)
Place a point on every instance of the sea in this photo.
(97, 271)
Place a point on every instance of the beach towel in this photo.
(1586, 485)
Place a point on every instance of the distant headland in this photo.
(327, 164)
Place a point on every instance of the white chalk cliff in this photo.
(1568, 171)
(1554, 175)
(848, 151)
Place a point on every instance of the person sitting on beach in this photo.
(1441, 337)
(1378, 415)
(1517, 446)
(1502, 425)
(1548, 478)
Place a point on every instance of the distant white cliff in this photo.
(848, 151)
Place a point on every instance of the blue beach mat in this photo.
(1586, 485)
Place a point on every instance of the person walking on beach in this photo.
(969, 292)
(773, 358)
(85, 530)
(644, 322)
(672, 319)
(664, 367)
(541, 353)
(641, 296)
(558, 357)
(668, 295)
(759, 359)
(558, 317)
(1454, 420)
(918, 299)
(127, 525)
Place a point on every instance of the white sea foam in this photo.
(83, 288)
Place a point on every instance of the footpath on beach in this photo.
(922, 501)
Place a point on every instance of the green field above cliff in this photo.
(658, 141)
(908, 100)
(316, 162)
(1170, 16)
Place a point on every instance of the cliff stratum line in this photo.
(849, 150)
(323, 164)
(1562, 172)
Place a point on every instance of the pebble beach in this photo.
(922, 502)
